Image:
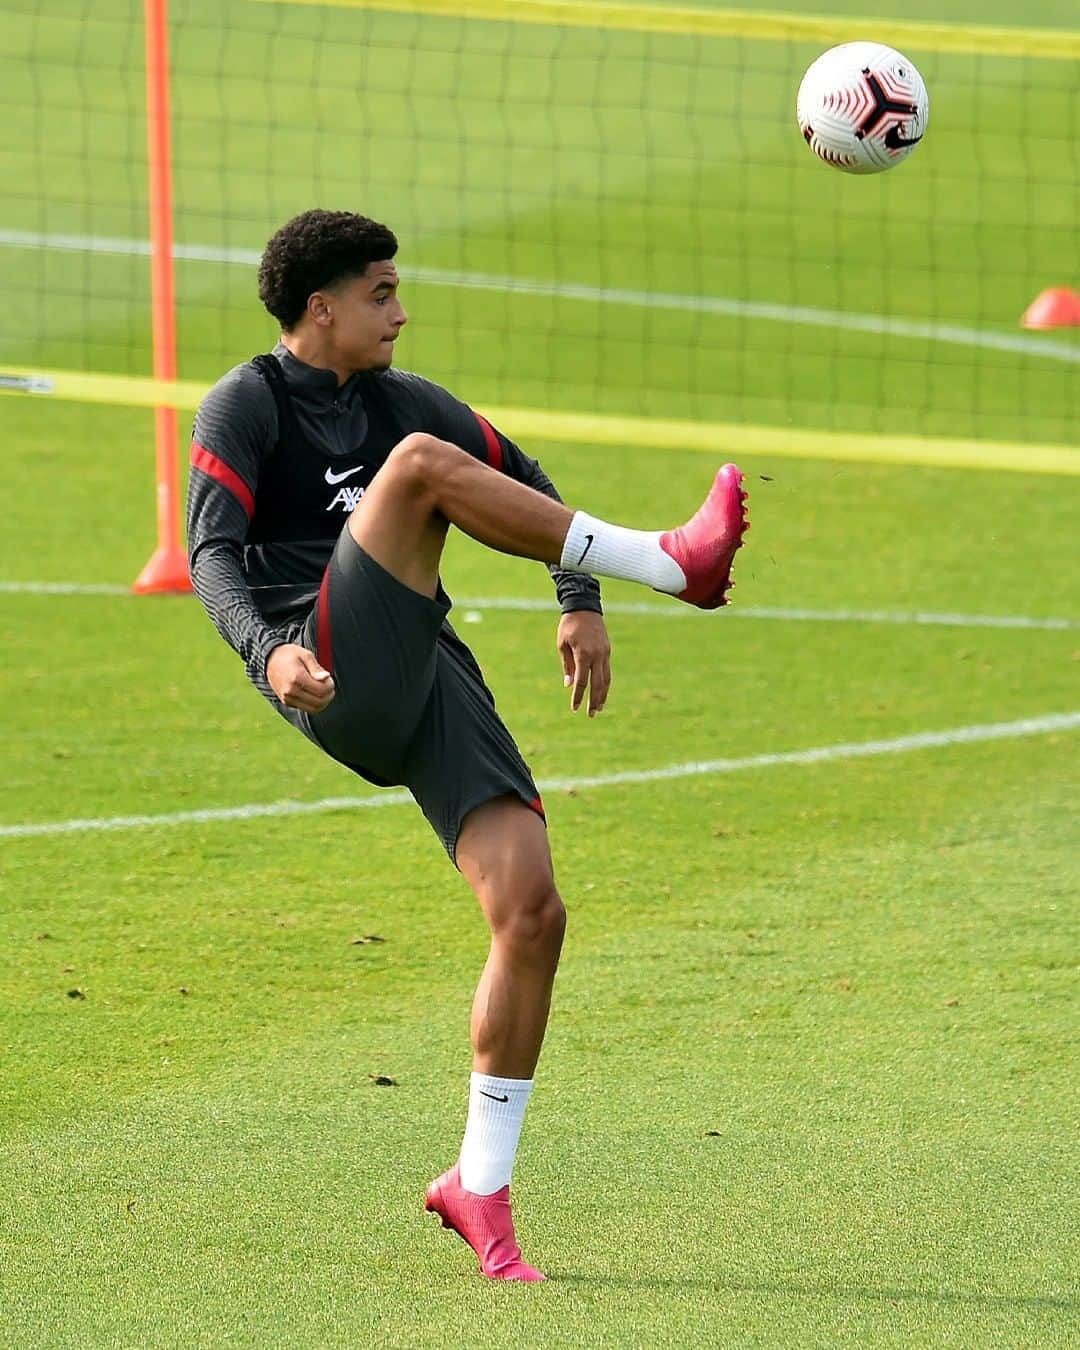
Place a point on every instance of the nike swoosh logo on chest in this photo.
(334, 478)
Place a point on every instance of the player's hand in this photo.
(294, 674)
(586, 658)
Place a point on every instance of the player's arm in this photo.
(235, 427)
(577, 591)
(582, 639)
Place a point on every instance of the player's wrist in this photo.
(582, 604)
(272, 645)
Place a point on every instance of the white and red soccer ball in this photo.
(862, 107)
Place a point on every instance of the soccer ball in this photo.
(862, 107)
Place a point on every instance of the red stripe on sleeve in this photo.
(203, 459)
(494, 449)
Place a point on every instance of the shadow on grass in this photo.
(1032, 1303)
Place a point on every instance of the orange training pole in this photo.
(167, 569)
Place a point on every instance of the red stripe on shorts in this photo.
(203, 459)
(324, 647)
(494, 449)
(538, 806)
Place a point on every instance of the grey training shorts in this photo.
(411, 706)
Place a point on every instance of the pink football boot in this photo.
(705, 546)
(484, 1221)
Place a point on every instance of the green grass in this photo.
(810, 1075)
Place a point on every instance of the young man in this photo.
(322, 486)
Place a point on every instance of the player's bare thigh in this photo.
(397, 522)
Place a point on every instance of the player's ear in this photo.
(318, 308)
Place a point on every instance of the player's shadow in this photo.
(946, 1297)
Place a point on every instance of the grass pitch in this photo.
(810, 1073)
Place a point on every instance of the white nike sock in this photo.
(496, 1110)
(593, 545)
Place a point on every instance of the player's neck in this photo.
(312, 353)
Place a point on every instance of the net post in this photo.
(167, 568)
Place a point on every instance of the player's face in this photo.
(367, 317)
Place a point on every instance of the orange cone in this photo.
(1058, 307)
(167, 571)
(167, 568)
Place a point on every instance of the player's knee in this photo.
(535, 926)
(416, 459)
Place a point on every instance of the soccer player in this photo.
(323, 483)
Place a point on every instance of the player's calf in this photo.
(503, 854)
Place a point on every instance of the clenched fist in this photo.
(297, 678)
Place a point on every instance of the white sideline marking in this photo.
(698, 304)
(787, 614)
(913, 618)
(994, 731)
(61, 588)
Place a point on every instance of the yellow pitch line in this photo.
(713, 438)
(691, 21)
(723, 438)
(129, 391)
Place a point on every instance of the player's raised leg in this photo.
(428, 483)
(503, 853)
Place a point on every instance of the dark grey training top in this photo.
(256, 571)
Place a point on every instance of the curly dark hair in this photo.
(314, 250)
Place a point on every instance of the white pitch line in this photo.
(785, 614)
(912, 618)
(723, 305)
(61, 588)
(926, 740)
